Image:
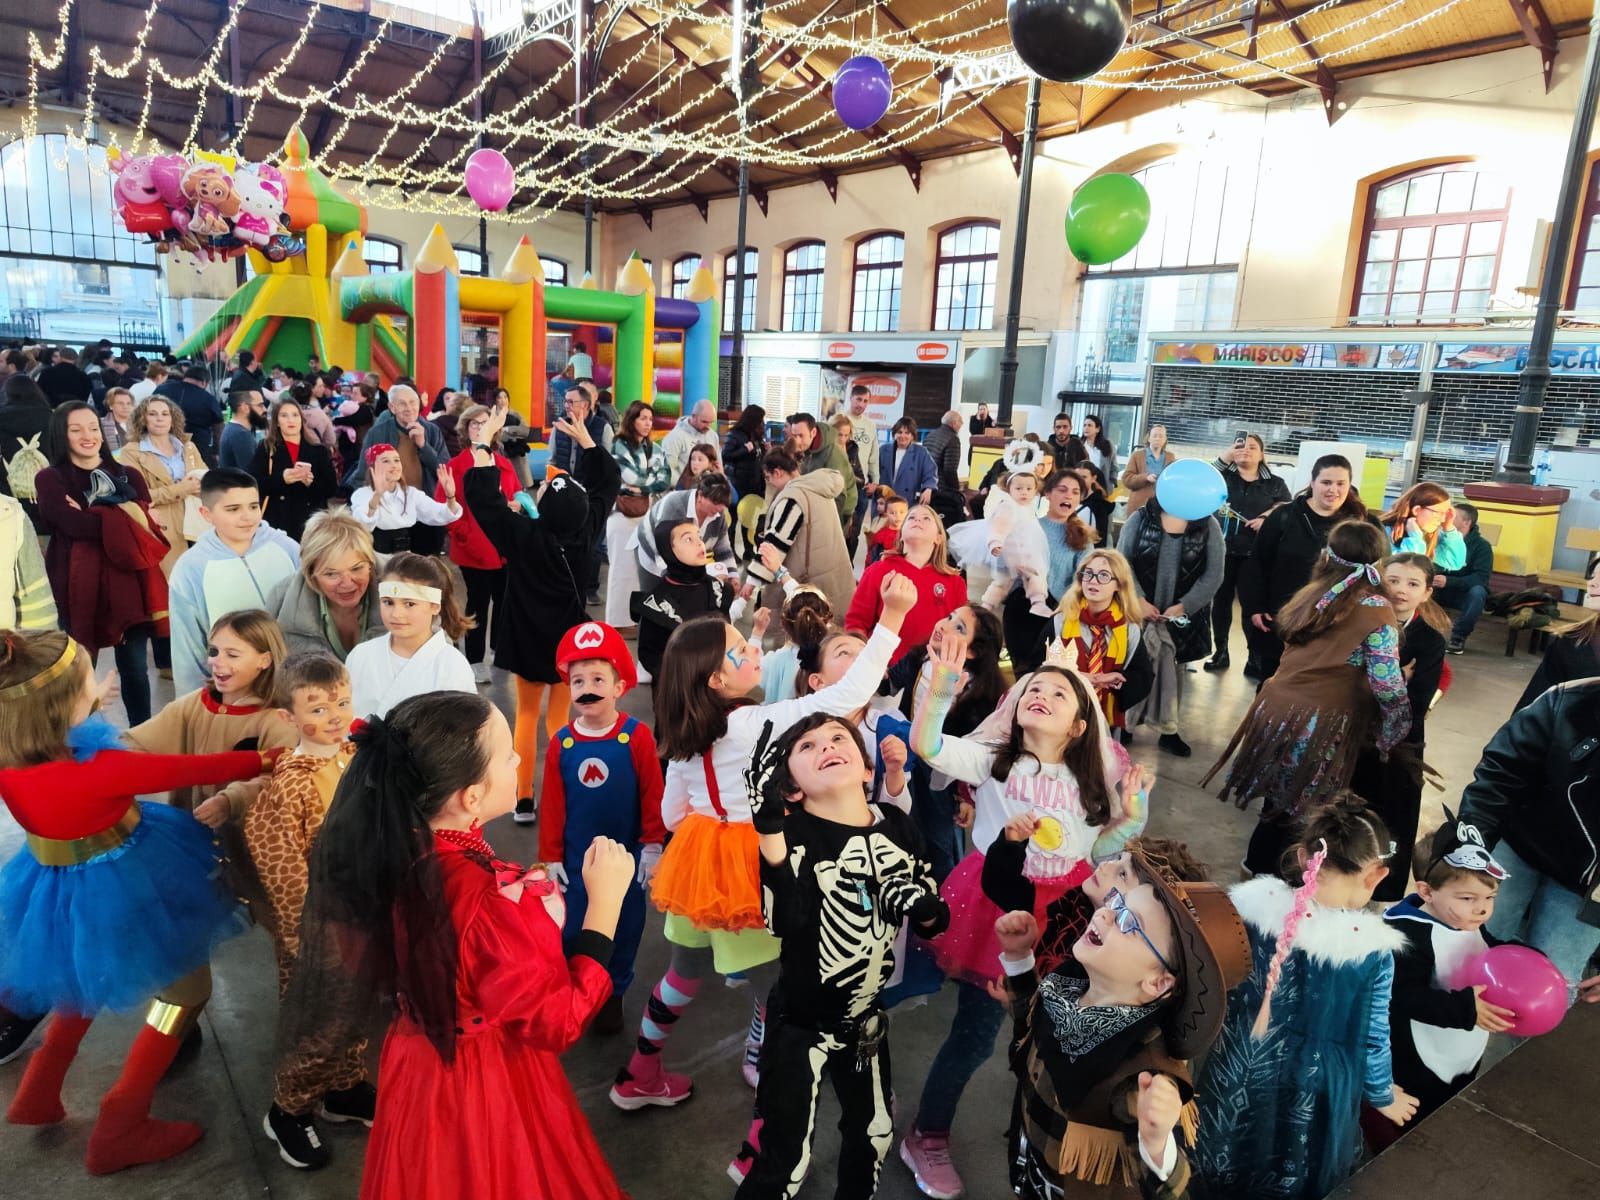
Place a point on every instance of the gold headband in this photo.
(53, 672)
(401, 589)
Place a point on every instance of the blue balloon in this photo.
(1191, 488)
(862, 91)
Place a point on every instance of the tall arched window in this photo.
(1583, 288)
(1182, 274)
(964, 277)
(555, 271)
(471, 261)
(683, 270)
(1430, 249)
(382, 256)
(875, 288)
(68, 267)
(802, 287)
(747, 284)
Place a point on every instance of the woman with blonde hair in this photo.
(1422, 521)
(922, 556)
(1099, 622)
(331, 606)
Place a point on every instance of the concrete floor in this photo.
(659, 1154)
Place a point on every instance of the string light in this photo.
(569, 162)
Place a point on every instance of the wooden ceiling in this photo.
(1177, 41)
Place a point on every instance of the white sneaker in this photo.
(480, 674)
(644, 676)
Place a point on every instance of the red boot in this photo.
(38, 1098)
(126, 1135)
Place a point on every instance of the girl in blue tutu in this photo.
(110, 902)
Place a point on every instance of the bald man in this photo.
(699, 426)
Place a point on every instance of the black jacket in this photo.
(1249, 498)
(547, 560)
(1287, 547)
(65, 381)
(1479, 565)
(1537, 787)
(288, 506)
(664, 602)
(1564, 658)
(741, 458)
(19, 421)
(944, 447)
(201, 414)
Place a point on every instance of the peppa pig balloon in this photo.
(136, 195)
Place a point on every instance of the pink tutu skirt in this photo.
(968, 950)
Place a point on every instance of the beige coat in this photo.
(166, 500)
(1137, 468)
(802, 522)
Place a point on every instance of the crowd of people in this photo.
(859, 782)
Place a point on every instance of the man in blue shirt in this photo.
(239, 435)
(202, 415)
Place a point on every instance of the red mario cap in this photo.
(596, 639)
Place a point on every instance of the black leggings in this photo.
(1222, 604)
(484, 588)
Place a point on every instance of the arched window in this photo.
(683, 270)
(964, 277)
(747, 284)
(382, 255)
(472, 262)
(555, 271)
(68, 266)
(1431, 246)
(802, 287)
(875, 290)
(1583, 288)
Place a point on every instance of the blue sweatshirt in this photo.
(210, 579)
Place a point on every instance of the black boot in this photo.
(1173, 744)
(1218, 661)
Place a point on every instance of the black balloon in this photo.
(1067, 40)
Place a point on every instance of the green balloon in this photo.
(1107, 217)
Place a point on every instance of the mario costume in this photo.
(602, 783)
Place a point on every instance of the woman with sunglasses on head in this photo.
(1253, 492)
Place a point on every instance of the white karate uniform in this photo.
(401, 509)
(380, 678)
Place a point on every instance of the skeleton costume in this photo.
(1024, 554)
(837, 901)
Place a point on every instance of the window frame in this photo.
(1372, 223)
(1587, 215)
(482, 272)
(383, 268)
(802, 277)
(858, 269)
(749, 273)
(549, 261)
(941, 259)
(678, 284)
(85, 183)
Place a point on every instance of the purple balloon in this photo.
(862, 91)
(1523, 980)
(490, 180)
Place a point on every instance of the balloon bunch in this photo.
(203, 207)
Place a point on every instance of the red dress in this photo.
(501, 1121)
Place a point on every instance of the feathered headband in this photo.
(1022, 456)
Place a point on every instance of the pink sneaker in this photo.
(667, 1089)
(928, 1157)
(746, 1158)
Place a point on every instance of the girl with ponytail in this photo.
(422, 612)
(1306, 1036)
(409, 904)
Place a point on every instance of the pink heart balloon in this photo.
(490, 180)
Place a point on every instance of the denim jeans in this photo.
(1470, 599)
(1533, 908)
(966, 1048)
(133, 672)
(934, 811)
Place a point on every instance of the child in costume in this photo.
(127, 889)
(1306, 1037)
(423, 615)
(838, 877)
(601, 779)
(409, 908)
(232, 712)
(684, 590)
(1046, 751)
(1009, 540)
(1102, 1039)
(708, 882)
(1297, 746)
(1394, 791)
(393, 509)
(279, 831)
(1437, 1031)
(1100, 621)
(884, 733)
(547, 549)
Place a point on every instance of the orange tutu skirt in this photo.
(710, 873)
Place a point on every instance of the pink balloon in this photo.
(1523, 980)
(490, 180)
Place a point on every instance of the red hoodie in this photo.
(469, 547)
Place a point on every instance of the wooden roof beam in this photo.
(1324, 77)
(1323, 84)
(1540, 34)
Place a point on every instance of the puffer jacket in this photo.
(1537, 787)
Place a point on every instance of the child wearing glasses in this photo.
(1099, 623)
(1306, 1038)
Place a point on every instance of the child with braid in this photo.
(1306, 1038)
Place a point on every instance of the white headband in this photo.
(400, 589)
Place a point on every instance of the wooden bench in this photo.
(1586, 540)
(1572, 616)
